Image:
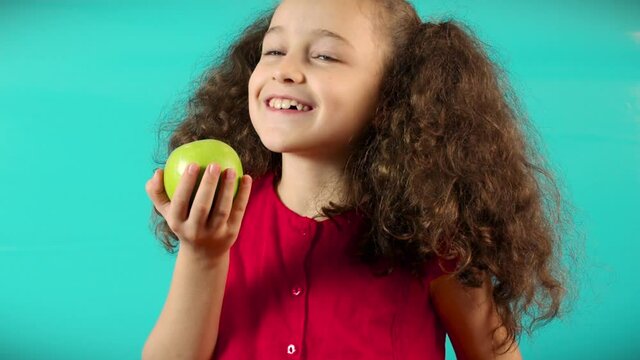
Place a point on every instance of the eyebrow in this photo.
(317, 32)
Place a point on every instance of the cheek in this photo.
(352, 100)
(359, 103)
(258, 76)
(253, 89)
(368, 99)
(252, 84)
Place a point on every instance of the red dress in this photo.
(293, 293)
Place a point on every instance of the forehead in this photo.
(333, 19)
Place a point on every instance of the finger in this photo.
(181, 199)
(157, 194)
(240, 203)
(224, 199)
(203, 202)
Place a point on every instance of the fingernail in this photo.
(230, 174)
(193, 168)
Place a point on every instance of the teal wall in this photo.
(83, 86)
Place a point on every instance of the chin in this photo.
(283, 145)
(273, 144)
(272, 148)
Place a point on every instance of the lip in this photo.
(286, 111)
(300, 101)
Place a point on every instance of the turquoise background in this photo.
(84, 85)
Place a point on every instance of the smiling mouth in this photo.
(287, 106)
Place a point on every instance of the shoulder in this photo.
(260, 187)
(262, 180)
(453, 300)
(436, 267)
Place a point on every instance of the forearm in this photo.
(469, 316)
(511, 355)
(508, 350)
(188, 324)
(475, 348)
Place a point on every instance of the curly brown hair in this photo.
(445, 169)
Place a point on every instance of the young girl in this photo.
(389, 199)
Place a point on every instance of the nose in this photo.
(288, 70)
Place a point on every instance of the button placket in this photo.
(292, 350)
(306, 230)
(296, 291)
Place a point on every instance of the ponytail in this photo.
(459, 177)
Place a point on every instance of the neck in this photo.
(308, 184)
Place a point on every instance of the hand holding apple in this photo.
(202, 152)
(209, 230)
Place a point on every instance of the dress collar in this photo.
(348, 216)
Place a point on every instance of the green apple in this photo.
(202, 152)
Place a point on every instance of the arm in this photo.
(188, 325)
(469, 316)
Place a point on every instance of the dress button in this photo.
(296, 291)
(291, 349)
(304, 233)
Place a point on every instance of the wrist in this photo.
(203, 258)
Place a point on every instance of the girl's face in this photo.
(324, 53)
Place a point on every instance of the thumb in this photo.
(157, 193)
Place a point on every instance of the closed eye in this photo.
(329, 58)
(271, 52)
(326, 57)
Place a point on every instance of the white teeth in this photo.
(286, 103)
